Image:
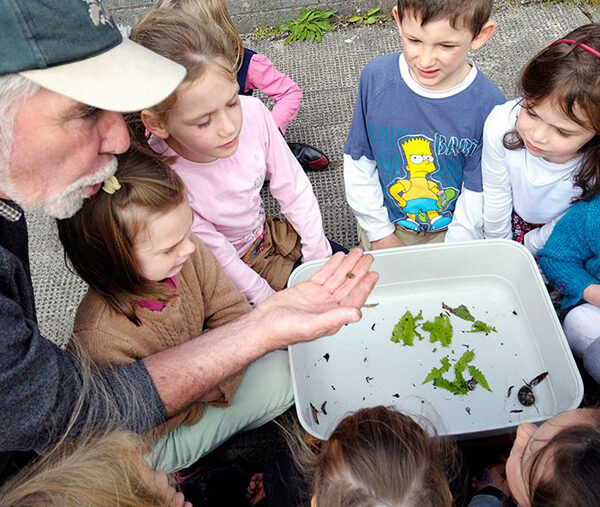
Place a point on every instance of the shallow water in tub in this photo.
(361, 367)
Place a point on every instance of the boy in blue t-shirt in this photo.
(412, 161)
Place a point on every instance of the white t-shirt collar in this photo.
(435, 94)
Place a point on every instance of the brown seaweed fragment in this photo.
(323, 408)
(315, 413)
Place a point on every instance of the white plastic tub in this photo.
(499, 282)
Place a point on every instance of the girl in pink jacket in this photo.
(224, 147)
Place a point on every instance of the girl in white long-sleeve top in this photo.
(540, 150)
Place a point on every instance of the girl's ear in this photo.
(154, 124)
(484, 35)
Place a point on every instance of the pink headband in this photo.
(589, 49)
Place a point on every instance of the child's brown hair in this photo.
(469, 14)
(569, 75)
(211, 11)
(564, 473)
(378, 456)
(175, 35)
(99, 239)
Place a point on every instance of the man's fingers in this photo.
(342, 286)
(330, 267)
(335, 277)
(359, 293)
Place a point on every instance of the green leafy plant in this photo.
(368, 18)
(310, 26)
(439, 329)
(481, 327)
(459, 385)
(462, 312)
(479, 377)
(268, 33)
(406, 329)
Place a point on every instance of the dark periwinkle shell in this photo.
(526, 396)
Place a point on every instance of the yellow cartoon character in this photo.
(420, 198)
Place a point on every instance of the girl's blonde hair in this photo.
(96, 470)
(211, 11)
(96, 459)
(99, 240)
(195, 44)
(569, 75)
(379, 457)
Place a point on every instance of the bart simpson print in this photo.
(419, 196)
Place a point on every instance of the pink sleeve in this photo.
(292, 189)
(245, 279)
(263, 76)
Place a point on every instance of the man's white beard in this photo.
(66, 203)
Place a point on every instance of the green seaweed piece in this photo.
(406, 329)
(440, 329)
(466, 358)
(454, 387)
(479, 377)
(481, 327)
(438, 372)
(459, 384)
(461, 311)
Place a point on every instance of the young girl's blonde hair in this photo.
(211, 11)
(99, 240)
(380, 457)
(195, 45)
(93, 471)
(96, 459)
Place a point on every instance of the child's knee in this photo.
(582, 327)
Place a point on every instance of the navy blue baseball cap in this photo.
(74, 48)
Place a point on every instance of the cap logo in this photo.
(98, 14)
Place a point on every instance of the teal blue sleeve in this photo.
(563, 259)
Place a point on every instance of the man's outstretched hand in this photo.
(319, 307)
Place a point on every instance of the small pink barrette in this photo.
(589, 49)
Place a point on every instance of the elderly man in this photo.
(64, 71)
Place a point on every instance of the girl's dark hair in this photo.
(378, 456)
(570, 76)
(99, 239)
(564, 473)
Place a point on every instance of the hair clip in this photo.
(589, 49)
(111, 185)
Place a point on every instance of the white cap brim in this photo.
(126, 78)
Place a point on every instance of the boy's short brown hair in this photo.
(469, 14)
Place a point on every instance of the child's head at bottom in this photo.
(378, 456)
(107, 468)
(557, 463)
(133, 233)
